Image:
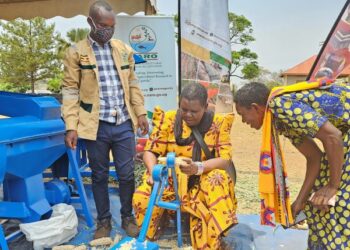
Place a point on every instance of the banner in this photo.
(152, 38)
(206, 49)
(334, 56)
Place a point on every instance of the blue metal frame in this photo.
(3, 242)
(74, 167)
(75, 173)
(160, 177)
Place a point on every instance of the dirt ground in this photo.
(246, 146)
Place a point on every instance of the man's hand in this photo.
(71, 139)
(189, 167)
(143, 124)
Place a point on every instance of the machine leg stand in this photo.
(160, 178)
(79, 182)
(3, 242)
(140, 243)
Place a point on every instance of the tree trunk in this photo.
(31, 52)
(32, 82)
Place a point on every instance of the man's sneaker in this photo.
(130, 226)
(103, 229)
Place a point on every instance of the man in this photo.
(103, 104)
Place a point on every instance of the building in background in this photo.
(299, 72)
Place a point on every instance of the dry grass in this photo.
(247, 191)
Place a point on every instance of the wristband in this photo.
(200, 167)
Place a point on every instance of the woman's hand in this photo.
(150, 180)
(149, 159)
(189, 167)
(320, 199)
(297, 206)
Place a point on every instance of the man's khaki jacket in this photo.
(81, 92)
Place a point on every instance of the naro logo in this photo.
(142, 39)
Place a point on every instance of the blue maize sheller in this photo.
(31, 139)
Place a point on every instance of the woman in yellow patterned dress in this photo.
(206, 190)
(322, 113)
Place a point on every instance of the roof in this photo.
(303, 68)
(26, 9)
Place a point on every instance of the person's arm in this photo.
(157, 142)
(136, 96)
(149, 159)
(215, 163)
(313, 156)
(70, 96)
(313, 124)
(223, 149)
(191, 168)
(332, 141)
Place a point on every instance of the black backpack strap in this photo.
(231, 170)
(201, 142)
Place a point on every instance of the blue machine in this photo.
(31, 139)
(160, 175)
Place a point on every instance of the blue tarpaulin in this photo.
(248, 232)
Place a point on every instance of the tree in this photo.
(74, 36)
(241, 34)
(28, 52)
(271, 79)
(243, 59)
(54, 84)
(11, 87)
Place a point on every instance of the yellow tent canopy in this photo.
(27, 9)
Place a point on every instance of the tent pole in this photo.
(179, 45)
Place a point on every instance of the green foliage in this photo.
(271, 79)
(233, 89)
(250, 70)
(244, 61)
(10, 87)
(272, 84)
(28, 52)
(139, 171)
(176, 20)
(241, 31)
(74, 36)
(54, 84)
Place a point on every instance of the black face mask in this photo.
(102, 35)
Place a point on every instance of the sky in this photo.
(287, 32)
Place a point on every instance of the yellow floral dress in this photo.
(211, 203)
